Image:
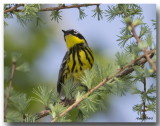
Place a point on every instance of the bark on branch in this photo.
(150, 61)
(13, 8)
(9, 87)
(42, 114)
(67, 7)
(50, 8)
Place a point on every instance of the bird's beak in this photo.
(63, 31)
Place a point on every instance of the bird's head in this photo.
(73, 37)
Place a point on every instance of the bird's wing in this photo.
(60, 76)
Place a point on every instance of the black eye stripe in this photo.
(75, 33)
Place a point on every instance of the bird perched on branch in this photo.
(78, 58)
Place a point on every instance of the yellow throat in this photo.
(72, 40)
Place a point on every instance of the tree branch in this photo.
(13, 8)
(42, 114)
(49, 9)
(150, 61)
(67, 7)
(10, 86)
(125, 71)
(144, 101)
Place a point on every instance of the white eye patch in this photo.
(75, 32)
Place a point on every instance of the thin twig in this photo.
(42, 114)
(10, 86)
(134, 33)
(50, 8)
(13, 8)
(126, 70)
(144, 101)
(150, 61)
(66, 7)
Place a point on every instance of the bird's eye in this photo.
(75, 32)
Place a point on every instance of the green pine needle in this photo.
(82, 15)
(42, 94)
(23, 67)
(69, 88)
(56, 15)
(20, 102)
(98, 12)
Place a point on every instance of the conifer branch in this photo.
(134, 33)
(49, 9)
(42, 114)
(67, 7)
(125, 71)
(13, 8)
(150, 61)
(144, 101)
(10, 86)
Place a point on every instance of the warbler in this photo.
(78, 58)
